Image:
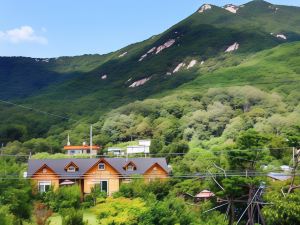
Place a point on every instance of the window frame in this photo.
(71, 171)
(131, 168)
(43, 184)
(101, 164)
(107, 186)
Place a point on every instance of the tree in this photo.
(168, 212)
(64, 197)
(19, 202)
(12, 133)
(283, 210)
(177, 147)
(156, 146)
(251, 144)
(278, 146)
(250, 149)
(16, 194)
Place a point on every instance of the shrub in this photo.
(71, 216)
(96, 193)
(6, 218)
(64, 197)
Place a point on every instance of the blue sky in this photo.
(51, 28)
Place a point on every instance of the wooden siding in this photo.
(155, 172)
(94, 176)
(46, 174)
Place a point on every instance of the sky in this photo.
(52, 28)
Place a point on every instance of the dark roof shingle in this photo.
(58, 165)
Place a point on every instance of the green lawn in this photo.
(55, 220)
(87, 216)
(90, 217)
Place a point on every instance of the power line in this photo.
(161, 154)
(37, 110)
(186, 176)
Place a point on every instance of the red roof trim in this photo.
(81, 147)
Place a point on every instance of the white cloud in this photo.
(22, 34)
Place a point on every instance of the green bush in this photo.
(6, 218)
(71, 216)
(64, 197)
(96, 193)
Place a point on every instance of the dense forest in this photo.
(223, 119)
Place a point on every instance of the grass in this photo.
(264, 69)
(87, 216)
(55, 220)
(90, 217)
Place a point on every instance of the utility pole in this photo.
(296, 158)
(91, 140)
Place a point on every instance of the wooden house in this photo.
(108, 173)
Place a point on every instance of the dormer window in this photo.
(130, 166)
(101, 166)
(71, 169)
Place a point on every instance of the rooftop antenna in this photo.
(68, 143)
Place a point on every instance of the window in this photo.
(104, 186)
(44, 186)
(44, 170)
(75, 152)
(101, 166)
(130, 168)
(71, 169)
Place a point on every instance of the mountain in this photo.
(214, 47)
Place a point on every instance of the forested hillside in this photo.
(220, 89)
(86, 87)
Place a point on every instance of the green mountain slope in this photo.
(274, 69)
(88, 87)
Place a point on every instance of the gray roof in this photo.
(279, 176)
(58, 165)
